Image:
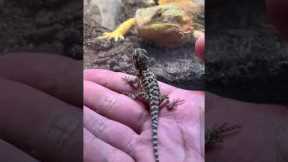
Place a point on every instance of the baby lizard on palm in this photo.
(148, 90)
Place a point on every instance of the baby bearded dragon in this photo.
(173, 20)
(148, 90)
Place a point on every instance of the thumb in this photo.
(200, 47)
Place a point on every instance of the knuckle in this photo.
(109, 104)
(131, 145)
(98, 124)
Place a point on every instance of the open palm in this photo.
(117, 128)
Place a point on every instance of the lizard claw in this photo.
(116, 36)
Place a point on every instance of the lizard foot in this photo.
(116, 36)
(171, 105)
(132, 81)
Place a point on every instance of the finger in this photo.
(92, 153)
(114, 105)
(200, 47)
(45, 127)
(113, 133)
(11, 153)
(56, 75)
(114, 81)
(276, 12)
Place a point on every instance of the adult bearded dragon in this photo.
(169, 24)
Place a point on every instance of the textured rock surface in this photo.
(47, 26)
(103, 11)
(245, 58)
(175, 66)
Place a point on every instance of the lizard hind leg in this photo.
(171, 105)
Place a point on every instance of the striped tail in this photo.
(154, 114)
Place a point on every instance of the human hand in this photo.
(277, 10)
(117, 128)
(200, 46)
(41, 102)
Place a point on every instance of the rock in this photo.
(105, 11)
(2, 2)
(245, 58)
(42, 26)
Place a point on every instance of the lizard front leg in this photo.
(134, 82)
(138, 93)
(120, 31)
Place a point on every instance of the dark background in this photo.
(245, 56)
(42, 25)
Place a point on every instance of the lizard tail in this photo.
(154, 115)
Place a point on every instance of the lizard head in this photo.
(159, 18)
(140, 58)
(165, 21)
